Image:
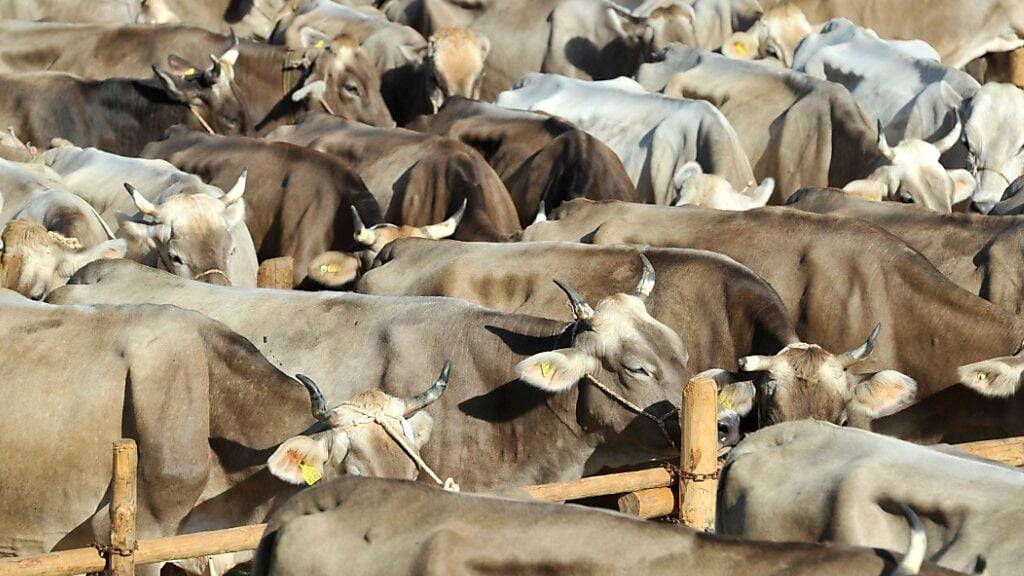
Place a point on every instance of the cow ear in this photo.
(422, 425)
(625, 24)
(181, 68)
(555, 371)
(964, 184)
(738, 397)
(234, 213)
(871, 190)
(293, 454)
(881, 394)
(995, 377)
(334, 269)
(140, 233)
(685, 172)
(105, 250)
(170, 86)
(312, 39)
(742, 46)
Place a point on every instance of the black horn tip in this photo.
(131, 189)
(446, 372)
(874, 333)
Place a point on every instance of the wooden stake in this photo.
(121, 560)
(698, 476)
(601, 485)
(650, 503)
(1009, 451)
(1017, 67)
(276, 273)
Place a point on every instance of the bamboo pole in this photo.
(601, 485)
(121, 560)
(84, 560)
(1017, 67)
(276, 273)
(698, 466)
(1009, 451)
(649, 503)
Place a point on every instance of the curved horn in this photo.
(212, 74)
(542, 214)
(883, 144)
(144, 206)
(430, 395)
(646, 284)
(951, 137)
(236, 191)
(316, 399)
(1019, 349)
(361, 233)
(912, 560)
(447, 227)
(861, 352)
(580, 308)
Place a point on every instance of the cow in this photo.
(712, 191)
(20, 181)
(982, 254)
(108, 11)
(586, 39)
(440, 533)
(959, 32)
(796, 129)
(223, 436)
(276, 83)
(455, 64)
(34, 261)
(522, 404)
(821, 266)
(298, 200)
(852, 488)
(122, 115)
(654, 136)
(540, 158)
(994, 139)
(417, 179)
(395, 50)
(171, 219)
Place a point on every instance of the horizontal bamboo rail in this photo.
(606, 485)
(649, 503)
(1009, 451)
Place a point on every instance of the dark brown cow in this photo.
(276, 83)
(299, 200)
(538, 157)
(838, 277)
(418, 179)
(982, 254)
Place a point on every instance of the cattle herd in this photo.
(517, 229)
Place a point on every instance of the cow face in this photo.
(776, 35)
(911, 172)
(998, 377)
(805, 381)
(669, 22)
(364, 436)
(455, 64)
(190, 234)
(994, 140)
(34, 261)
(209, 93)
(341, 80)
(694, 188)
(618, 345)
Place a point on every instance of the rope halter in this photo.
(659, 422)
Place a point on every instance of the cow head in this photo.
(190, 234)
(994, 140)
(695, 188)
(805, 381)
(361, 436)
(998, 377)
(341, 79)
(34, 261)
(911, 172)
(210, 93)
(155, 12)
(455, 64)
(669, 21)
(617, 345)
(776, 35)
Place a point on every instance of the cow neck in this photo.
(267, 76)
(143, 101)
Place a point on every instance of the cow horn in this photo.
(912, 560)
(212, 74)
(951, 137)
(236, 191)
(580, 308)
(861, 352)
(542, 214)
(234, 40)
(144, 206)
(447, 227)
(646, 284)
(430, 395)
(316, 399)
(1017, 353)
(883, 144)
(362, 234)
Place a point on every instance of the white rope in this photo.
(660, 422)
(210, 272)
(202, 120)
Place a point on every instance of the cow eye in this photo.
(352, 88)
(175, 259)
(638, 370)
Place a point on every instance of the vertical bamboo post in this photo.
(1017, 67)
(698, 466)
(276, 273)
(121, 560)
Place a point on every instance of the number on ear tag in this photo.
(310, 474)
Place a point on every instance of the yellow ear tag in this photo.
(310, 474)
(546, 369)
(190, 71)
(724, 403)
(319, 44)
(740, 48)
